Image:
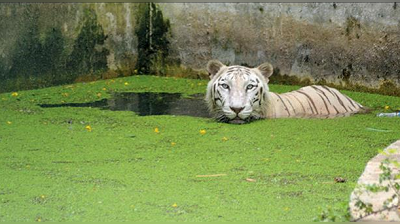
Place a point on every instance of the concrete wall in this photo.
(37, 43)
(353, 45)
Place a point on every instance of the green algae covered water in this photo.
(92, 152)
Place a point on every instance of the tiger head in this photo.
(237, 94)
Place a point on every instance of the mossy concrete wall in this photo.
(349, 45)
(50, 44)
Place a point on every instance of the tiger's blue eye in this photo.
(249, 87)
(225, 86)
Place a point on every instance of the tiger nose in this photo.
(237, 109)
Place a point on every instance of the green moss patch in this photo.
(88, 164)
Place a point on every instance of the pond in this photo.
(148, 103)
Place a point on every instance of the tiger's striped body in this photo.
(237, 94)
(311, 101)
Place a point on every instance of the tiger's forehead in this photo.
(237, 72)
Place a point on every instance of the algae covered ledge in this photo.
(50, 44)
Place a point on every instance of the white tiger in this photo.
(237, 94)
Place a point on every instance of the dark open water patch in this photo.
(148, 103)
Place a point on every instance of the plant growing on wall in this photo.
(152, 33)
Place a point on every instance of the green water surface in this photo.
(88, 164)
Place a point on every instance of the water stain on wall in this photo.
(89, 56)
(41, 59)
(152, 31)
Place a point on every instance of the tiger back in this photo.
(312, 101)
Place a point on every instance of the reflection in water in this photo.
(148, 104)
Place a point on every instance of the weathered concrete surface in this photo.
(371, 176)
(33, 35)
(346, 44)
(340, 43)
(117, 20)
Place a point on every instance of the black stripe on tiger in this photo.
(309, 99)
(214, 89)
(219, 94)
(284, 104)
(326, 106)
(323, 92)
(294, 110)
(301, 104)
(337, 97)
(261, 94)
(340, 94)
(351, 102)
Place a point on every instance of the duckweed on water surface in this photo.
(89, 164)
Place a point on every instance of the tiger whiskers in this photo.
(222, 118)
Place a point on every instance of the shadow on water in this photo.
(148, 103)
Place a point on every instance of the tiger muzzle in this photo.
(237, 110)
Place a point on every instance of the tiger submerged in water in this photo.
(238, 94)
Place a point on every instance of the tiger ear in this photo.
(213, 67)
(266, 69)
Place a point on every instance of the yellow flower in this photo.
(39, 219)
(14, 94)
(173, 143)
(104, 89)
(156, 130)
(224, 139)
(202, 131)
(387, 107)
(126, 83)
(42, 196)
(88, 128)
(65, 94)
(98, 95)
(9, 122)
(174, 205)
